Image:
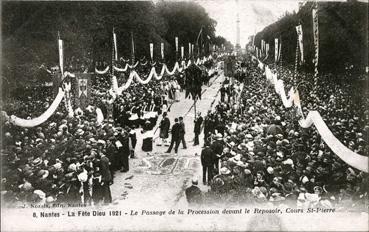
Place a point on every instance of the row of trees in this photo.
(343, 36)
(30, 32)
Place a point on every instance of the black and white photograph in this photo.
(192, 115)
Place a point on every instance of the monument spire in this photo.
(238, 46)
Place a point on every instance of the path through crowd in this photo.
(158, 180)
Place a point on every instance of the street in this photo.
(159, 180)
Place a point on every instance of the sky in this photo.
(254, 15)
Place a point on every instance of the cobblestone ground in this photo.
(159, 180)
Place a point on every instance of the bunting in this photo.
(353, 159)
(42, 118)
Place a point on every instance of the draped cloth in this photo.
(121, 69)
(43, 117)
(351, 158)
(314, 118)
(102, 72)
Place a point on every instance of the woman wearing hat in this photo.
(164, 129)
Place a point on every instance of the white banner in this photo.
(42, 118)
(152, 51)
(280, 49)
(189, 50)
(351, 158)
(121, 69)
(276, 47)
(262, 46)
(115, 46)
(61, 56)
(301, 45)
(176, 40)
(102, 72)
(162, 50)
(182, 52)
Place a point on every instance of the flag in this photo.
(176, 40)
(300, 42)
(162, 50)
(133, 48)
(280, 49)
(82, 90)
(189, 50)
(61, 56)
(115, 46)
(262, 45)
(276, 50)
(152, 51)
(182, 52)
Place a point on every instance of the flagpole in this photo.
(112, 56)
(197, 41)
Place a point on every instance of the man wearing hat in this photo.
(182, 132)
(175, 137)
(197, 130)
(193, 193)
(123, 150)
(217, 147)
(106, 178)
(208, 158)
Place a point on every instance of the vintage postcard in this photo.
(197, 115)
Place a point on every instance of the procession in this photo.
(182, 118)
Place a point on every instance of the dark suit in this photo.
(175, 137)
(197, 130)
(124, 152)
(182, 132)
(208, 159)
(106, 179)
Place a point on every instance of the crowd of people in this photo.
(74, 160)
(257, 152)
(254, 149)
